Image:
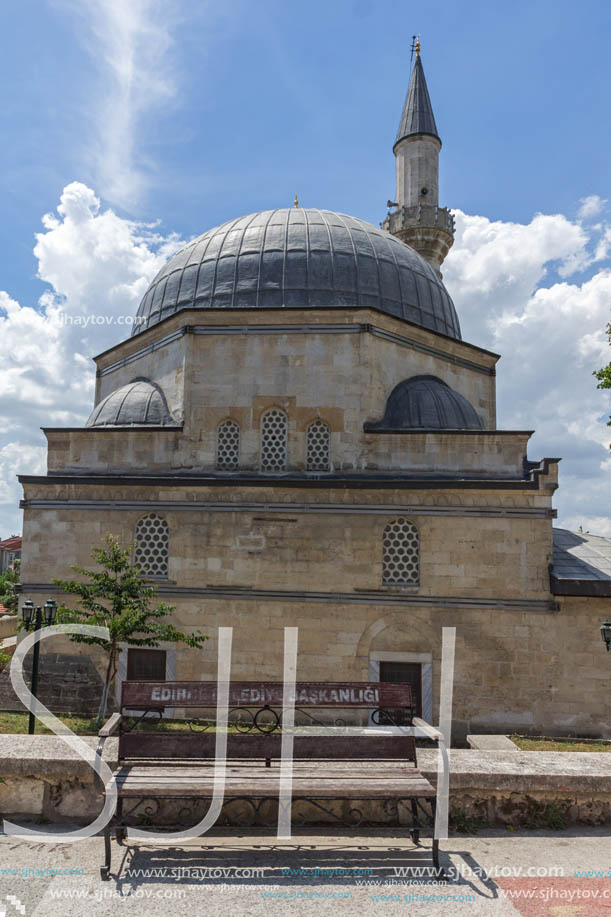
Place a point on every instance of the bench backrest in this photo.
(371, 696)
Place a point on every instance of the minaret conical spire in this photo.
(417, 117)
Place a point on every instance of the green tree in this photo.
(604, 375)
(119, 598)
(8, 582)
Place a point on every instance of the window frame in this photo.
(262, 445)
(318, 422)
(146, 573)
(389, 557)
(219, 430)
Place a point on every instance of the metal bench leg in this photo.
(105, 869)
(121, 832)
(439, 872)
(415, 831)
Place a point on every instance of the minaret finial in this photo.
(296, 202)
(417, 46)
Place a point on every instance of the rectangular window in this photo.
(146, 665)
(405, 673)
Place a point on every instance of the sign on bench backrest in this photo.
(157, 695)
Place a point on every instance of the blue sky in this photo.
(185, 114)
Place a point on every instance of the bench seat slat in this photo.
(355, 783)
(329, 789)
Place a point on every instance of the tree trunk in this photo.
(104, 701)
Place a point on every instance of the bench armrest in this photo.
(430, 731)
(110, 726)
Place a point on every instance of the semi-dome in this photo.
(427, 403)
(139, 403)
(300, 258)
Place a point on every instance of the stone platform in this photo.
(43, 776)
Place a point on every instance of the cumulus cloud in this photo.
(591, 206)
(518, 291)
(97, 266)
(130, 43)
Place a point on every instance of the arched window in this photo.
(318, 446)
(152, 545)
(401, 553)
(274, 436)
(228, 445)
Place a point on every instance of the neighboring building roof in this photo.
(427, 403)
(300, 258)
(581, 564)
(11, 544)
(417, 117)
(139, 403)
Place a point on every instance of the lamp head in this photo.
(50, 611)
(27, 612)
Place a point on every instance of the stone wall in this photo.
(313, 559)
(344, 373)
(44, 776)
(67, 683)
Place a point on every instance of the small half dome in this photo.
(139, 403)
(427, 403)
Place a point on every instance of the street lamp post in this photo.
(33, 619)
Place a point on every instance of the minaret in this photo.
(417, 218)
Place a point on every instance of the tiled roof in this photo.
(11, 544)
(581, 564)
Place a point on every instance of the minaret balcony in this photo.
(419, 215)
(427, 229)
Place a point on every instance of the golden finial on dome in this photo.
(296, 202)
(417, 46)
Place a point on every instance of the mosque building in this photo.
(296, 434)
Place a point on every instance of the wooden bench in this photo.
(180, 765)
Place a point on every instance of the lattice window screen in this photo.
(274, 436)
(318, 446)
(152, 545)
(401, 553)
(228, 445)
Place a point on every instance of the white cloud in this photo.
(591, 206)
(96, 264)
(551, 337)
(130, 42)
(595, 525)
(13, 458)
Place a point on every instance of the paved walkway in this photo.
(348, 875)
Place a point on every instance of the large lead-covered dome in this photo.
(300, 258)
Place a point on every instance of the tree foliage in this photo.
(604, 375)
(8, 595)
(118, 597)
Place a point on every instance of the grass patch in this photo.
(539, 743)
(544, 815)
(465, 824)
(17, 723)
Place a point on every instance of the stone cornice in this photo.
(510, 512)
(358, 597)
(414, 341)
